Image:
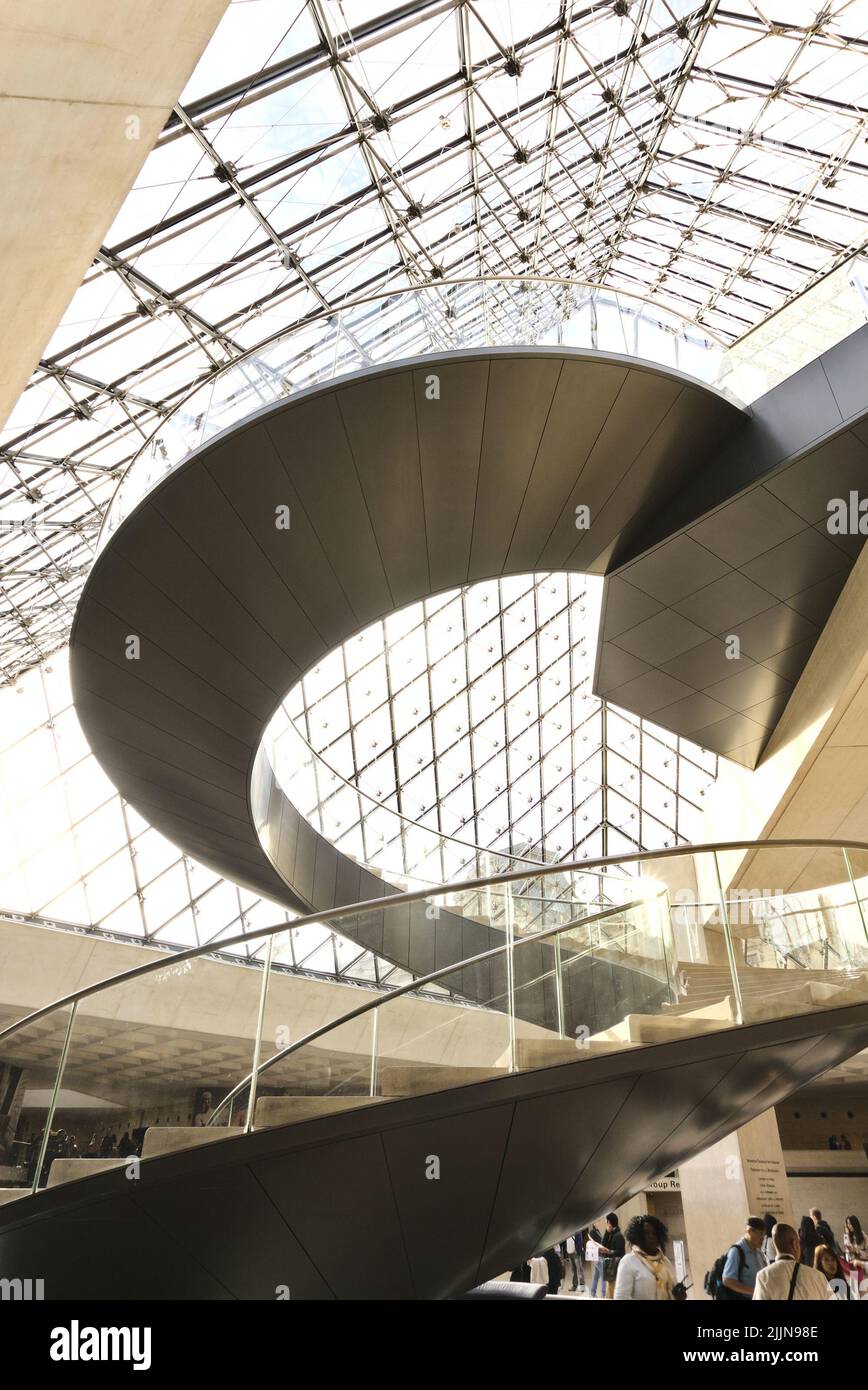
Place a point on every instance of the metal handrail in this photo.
(432, 978)
(267, 748)
(333, 914)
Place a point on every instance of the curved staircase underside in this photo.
(341, 1207)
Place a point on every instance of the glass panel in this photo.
(406, 855)
(797, 931)
(325, 1076)
(532, 970)
(738, 194)
(597, 987)
(852, 917)
(29, 1064)
(149, 1061)
(526, 993)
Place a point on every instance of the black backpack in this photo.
(713, 1283)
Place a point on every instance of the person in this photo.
(808, 1240)
(580, 1237)
(614, 1248)
(855, 1243)
(573, 1256)
(109, 1145)
(555, 1270)
(827, 1262)
(645, 1273)
(59, 1146)
(787, 1279)
(745, 1260)
(844, 1142)
(592, 1255)
(595, 1240)
(126, 1146)
(833, 1141)
(768, 1248)
(521, 1274)
(204, 1109)
(823, 1229)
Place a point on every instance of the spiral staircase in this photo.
(421, 1142)
(569, 1032)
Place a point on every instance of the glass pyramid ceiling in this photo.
(472, 714)
(709, 156)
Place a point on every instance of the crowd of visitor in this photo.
(772, 1261)
(63, 1144)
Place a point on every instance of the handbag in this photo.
(571, 1245)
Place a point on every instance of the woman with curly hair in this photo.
(645, 1273)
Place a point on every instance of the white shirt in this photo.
(773, 1283)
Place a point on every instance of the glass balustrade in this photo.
(446, 316)
(31, 1069)
(408, 855)
(190, 1049)
(153, 1053)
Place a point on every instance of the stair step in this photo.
(270, 1111)
(656, 1028)
(648, 965)
(418, 1080)
(286, 1110)
(72, 1169)
(169, 1139)
(531, 1053)
(811, 995)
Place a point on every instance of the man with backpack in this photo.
(733, 1275)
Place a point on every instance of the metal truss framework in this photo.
(75, 856)
(708, 156)
(472, 714)
(538, 765)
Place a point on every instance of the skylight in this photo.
(709, 157)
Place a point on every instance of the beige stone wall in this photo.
(85, 89)
(807, 1119)
(812, 781)
(742, 1175)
